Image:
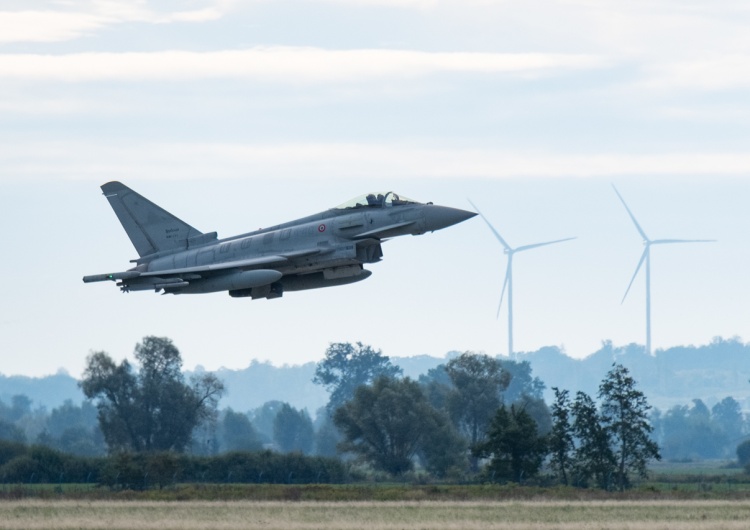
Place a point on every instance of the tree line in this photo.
(460, 415)
(472, 418)
(35, 464)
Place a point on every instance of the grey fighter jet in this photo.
(322, 250)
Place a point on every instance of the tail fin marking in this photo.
(150, 228)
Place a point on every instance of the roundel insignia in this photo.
(322, 228)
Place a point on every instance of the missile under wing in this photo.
(326, 249)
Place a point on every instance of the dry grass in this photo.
(522, 515)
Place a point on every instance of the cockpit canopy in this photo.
(376, 200)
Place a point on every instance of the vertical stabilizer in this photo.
(150, 228)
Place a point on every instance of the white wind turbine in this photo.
(646, 256)
(508, 283)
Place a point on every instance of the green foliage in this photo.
(386, 423)
(443, 451)
(20, 407)
(514, 446)
(346, 367)
(22, 469)
(152, 409)
(263, 417)
(690, 433)
(139, 471)
(293, 430)
(11, 433)
(39, 464)
(236, 433)
(727, 418)
(560, 441)
(594, 458)
(478, 381)
(10, 450)
(624, 413)
(126, 471)
(538, 410)
(743, 454)
(263, 467)
(327, 436)
(437, 385)
(521, 382)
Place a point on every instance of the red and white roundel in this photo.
(322, 228)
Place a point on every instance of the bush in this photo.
(22, 469)
(743, 453)
(139, 471)
(10, 450)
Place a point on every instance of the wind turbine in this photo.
(646, 256)
(508, 283)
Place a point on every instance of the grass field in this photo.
(536, 515)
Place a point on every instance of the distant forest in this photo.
(700, 395)
(674, 376)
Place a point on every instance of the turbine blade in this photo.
(505, 283)
(497, 234)
(638, 268)
(667, 241)
(637, 226)
(536, 245)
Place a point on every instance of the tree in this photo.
(624, 413)
(443, 449)
(386, 423)
(263, 418)
(726, 415)
(437, 385)
(236, 433)
(20, 407)
(293, 430)
(743, 454)
(69, 415)
(521, 382)
(513, 444)
(11, 433)
(346, 367)
(561, 444)
(593, 455)
(152, 409)
(478, 381)
(327, 437)
(538, 410)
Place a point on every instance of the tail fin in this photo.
(150, 228)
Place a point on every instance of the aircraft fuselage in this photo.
(321, 250)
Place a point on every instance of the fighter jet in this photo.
(326, 249)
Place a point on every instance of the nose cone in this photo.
(438, 217)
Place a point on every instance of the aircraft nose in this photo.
(438, 217)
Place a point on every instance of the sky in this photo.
(235, 115)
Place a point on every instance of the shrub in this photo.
(743, 453)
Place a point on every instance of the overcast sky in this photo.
(235, 115)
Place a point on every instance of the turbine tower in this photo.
(508, 283)
(646, 256)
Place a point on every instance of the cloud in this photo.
(371, 162)
(725, 72)
(403, 4)
(283, 64)
(47, 26)
(86, 18)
